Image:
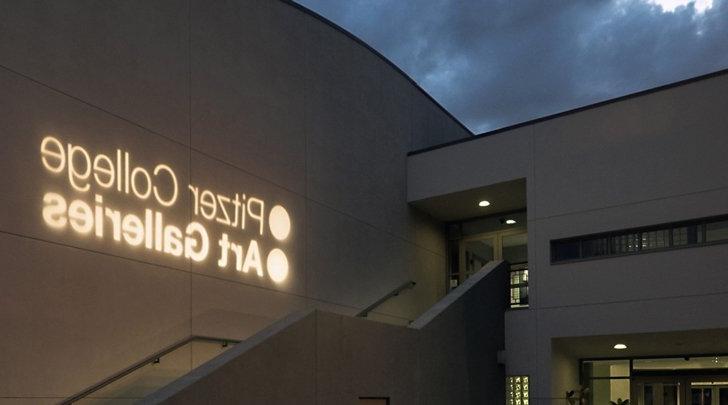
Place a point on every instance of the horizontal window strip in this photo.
(674, 235)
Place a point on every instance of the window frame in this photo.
(669, 227)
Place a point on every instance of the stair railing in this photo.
(393, 293)
(153, 358)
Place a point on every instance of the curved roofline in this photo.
(575, 110)
(379, 55)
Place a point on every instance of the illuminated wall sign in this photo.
(118, 173)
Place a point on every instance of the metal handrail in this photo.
(136, 366)
(394, 293)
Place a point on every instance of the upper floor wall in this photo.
(658, 144)
(641, 160)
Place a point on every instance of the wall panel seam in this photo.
(631, 203)
(191, 273)
(94, 106)
(630, 301)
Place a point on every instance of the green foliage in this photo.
(577, 396)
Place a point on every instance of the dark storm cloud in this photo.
(499, 62)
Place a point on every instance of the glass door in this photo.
(701, 395)
(475, 251)
(474, 254)
(708, 393)
(679, 391)
(657, 392)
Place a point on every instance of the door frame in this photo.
(496, 236)
(684, 381)
(636, 392)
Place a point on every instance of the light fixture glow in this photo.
(620, 346)
(510, 221)
(484, 203)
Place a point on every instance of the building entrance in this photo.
(474, 251)
(686, 380)
(709, 393)
(676, 390)
(657, 391)
(477, 241)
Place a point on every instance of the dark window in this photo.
(631, 241)
(655, 239)
(716, 231)
(565, 250)
(627, 243)
(595, 247)
(687, 235)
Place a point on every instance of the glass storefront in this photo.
(687, 380)
(608, 380)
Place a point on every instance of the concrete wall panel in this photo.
(248, 99)
(354, 264)
(687, 271)
(263, 380)
(428, 271)
(359, 170)
(247, 96)
(30, 112)
(521, 345)
(70, 309)
(489, 160)
(234, 310)
(347, 352)
(129, 58)
(446, 356)
(431, 125)
(655, 146)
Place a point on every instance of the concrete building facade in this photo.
(254, 98)
(180, 176)
(627, 166)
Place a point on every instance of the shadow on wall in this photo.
(447, 356)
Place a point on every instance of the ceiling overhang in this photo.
(509, 196)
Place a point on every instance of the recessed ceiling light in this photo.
(620, 346)
(510, 221)
(484, 203)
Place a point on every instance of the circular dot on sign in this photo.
(279, 222)
(277, 265)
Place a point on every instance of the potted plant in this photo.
(578, 396)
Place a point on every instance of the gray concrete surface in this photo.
(249, 96)
(646, 160)
(446, 356)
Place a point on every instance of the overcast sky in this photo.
(492, 63)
